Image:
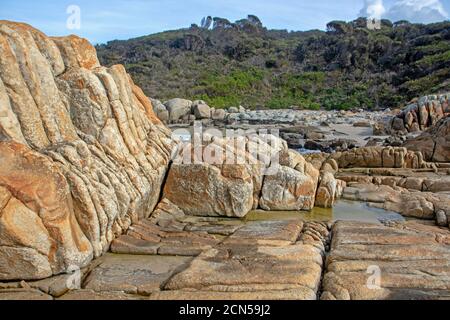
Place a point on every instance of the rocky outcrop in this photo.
(369, 157)
(379, 157)
(231, 176)
(204, 189)
(433, 143)
(421, 114)
(292, 187)
(329, 190)
(425, 180)
(83, 155)
(222, 176)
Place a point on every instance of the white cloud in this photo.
(373, 9)
(419, 11)
(423, 11)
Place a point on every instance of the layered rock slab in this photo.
(133, 274)
(233, 269)
(261, 260)
(24, 294)
(411, 260)
(145, 238)
(268, 233)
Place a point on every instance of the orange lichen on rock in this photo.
(39, 197)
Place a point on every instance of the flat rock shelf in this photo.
(281, 256)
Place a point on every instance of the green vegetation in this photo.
(225, 90)
(348, 66)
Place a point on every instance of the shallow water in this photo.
(343, 210)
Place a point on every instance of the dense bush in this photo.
(348, 66)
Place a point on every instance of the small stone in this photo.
(441, 218)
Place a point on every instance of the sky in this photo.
(104, 20)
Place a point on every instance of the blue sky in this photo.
(103, 20)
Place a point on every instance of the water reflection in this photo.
(343, 210)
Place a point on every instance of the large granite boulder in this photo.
(218, 114)
(292, 185)
(160, 110)
(178, 108)
(201, 110)
(208, 190)
(82, 153)
(223, 176)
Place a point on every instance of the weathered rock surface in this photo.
(259, 260)
(133, 274)
(379, 157)
(160, 110)
(91, 295)
(421, 114)
(144, 237)
(294, 268)
(433, 143)
(426, 180)
(289, 189)
(208, 190)
(231, 176)
(329, 190)
(222, 177)
(369, 262)
(92, 157)
(24, 294)
(292, 185)
(218, 114)
(292, 294)
(39, 233)
(267, 233)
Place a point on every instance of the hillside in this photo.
(348, 66)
